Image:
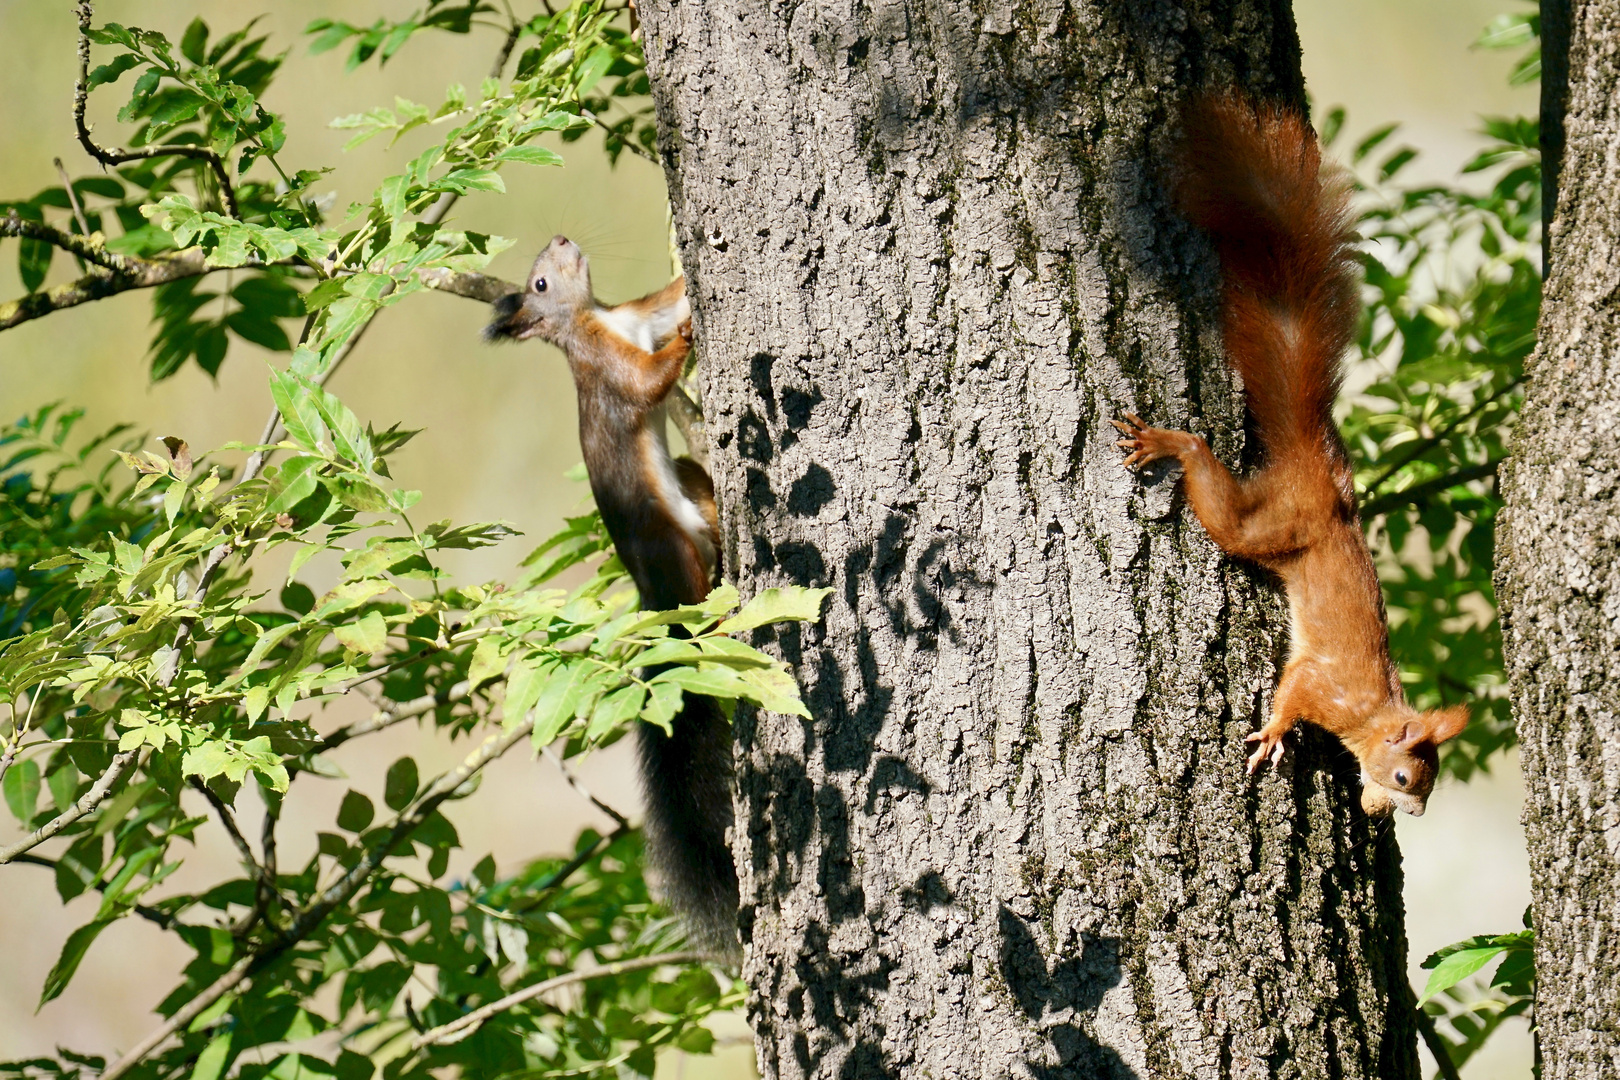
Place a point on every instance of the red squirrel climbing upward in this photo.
(1251, 177)
(660, 514)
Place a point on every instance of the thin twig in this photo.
(688, 420)
(507, 46)
(18, 731)
(128, 272)
(1418, 494)
(628, 145)
(72, 196)
(569, 868)
(113, 155)
(87, 803)
(83, 246)
(475, 1018)
(150, 914)
(390, 713)
(573, 782)
(264, 886)
(1431, 1038)
(1423, 446)
(311, 917)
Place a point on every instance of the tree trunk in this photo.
(1559, 571)
(930, 256)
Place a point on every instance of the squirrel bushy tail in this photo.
(686, 775)
(686, 778)
(1250, 176)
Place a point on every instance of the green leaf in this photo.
(392, 196)
(462, 181)
(291, 396)
(710, 679)
(176, 108)
(194, 44)
(1370, 143)
(207, 761)
(1457, 966)
(663, 703)
(368, 635)
(33, 262)
(555, 705)
(530, 155)
(22, 790)
(298, 478)
(400, 786)
(216, 1055)
(619, 707)
(73, 950)
(356, 812)
(523, 688)
(487, 662)
(789, 604)
(108, 73)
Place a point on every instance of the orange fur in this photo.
(1251, 177)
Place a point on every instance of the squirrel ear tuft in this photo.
(1446, 723)
(1411, 732)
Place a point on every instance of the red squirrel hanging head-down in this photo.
(660, 513)
(1251, 177)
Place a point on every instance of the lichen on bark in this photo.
(930, 256)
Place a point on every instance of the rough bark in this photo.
(930, 255)
(1559, 575)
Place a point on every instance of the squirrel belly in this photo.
(660, 514)
(1250, 176)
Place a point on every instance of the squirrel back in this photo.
(1251, 177)
(660, 514)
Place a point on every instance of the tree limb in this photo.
(472, 1020)
(117, 273)
(115, 156)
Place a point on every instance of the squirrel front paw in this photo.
(1146, 443)
(1271, 745)
(684, 331)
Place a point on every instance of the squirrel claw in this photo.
(1270, 746)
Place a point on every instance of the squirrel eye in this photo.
(1400, 778)
(539, 285)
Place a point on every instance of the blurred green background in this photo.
(424, 365)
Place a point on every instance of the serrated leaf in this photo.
(1456, 967)
(663, 703)
(710, 679)
(298, 478)
(523, 688)
(789, 604)
(619, 707)
(487, 662)
(367, 635)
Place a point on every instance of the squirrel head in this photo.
(558, 286)
(1400, 757)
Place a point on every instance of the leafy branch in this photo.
(115, 156)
